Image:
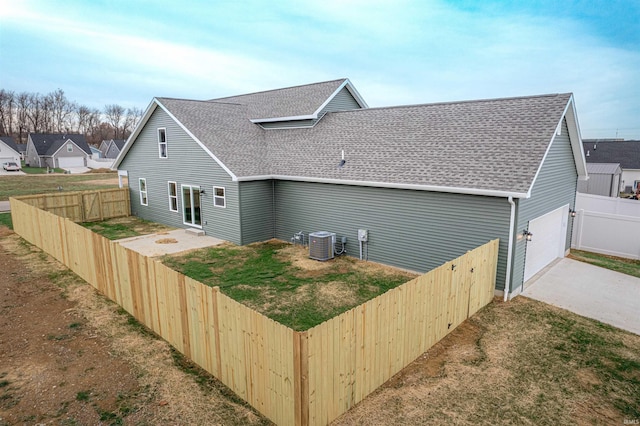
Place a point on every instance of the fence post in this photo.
(301, 377)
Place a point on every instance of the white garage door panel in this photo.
(70, 162)
(547, 242)
(6, 160)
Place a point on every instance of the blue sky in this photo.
(395, 52)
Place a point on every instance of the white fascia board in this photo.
(145, 117)
(574, 139)
(292, 118)
(417, 187)
(207, 150)
(155, 103)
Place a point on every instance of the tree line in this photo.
(23, 113)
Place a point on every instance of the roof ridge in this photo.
(281, 88)
(470, 101)
(210, 101)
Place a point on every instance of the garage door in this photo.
(548, 241)
(70, 162)
(6, 160)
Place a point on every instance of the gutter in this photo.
(507, 279)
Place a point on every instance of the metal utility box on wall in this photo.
(321, 245)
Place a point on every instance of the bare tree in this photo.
(83, 114)
(114, 114)
(131, 120)
(61, 111)
(7, 107)
(23, 101)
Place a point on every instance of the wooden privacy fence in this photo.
(83, 206)
(302, 378)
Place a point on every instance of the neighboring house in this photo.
(22, 149)
(95, 152)
(624, 152)
(9, 151)
(604, 179)
(428, 182)
(57, 150)
(112, 147)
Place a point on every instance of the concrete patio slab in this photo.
(5, 206)
(170, 242)
(607, 296)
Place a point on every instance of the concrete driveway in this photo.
(3, 172)
(610, 297)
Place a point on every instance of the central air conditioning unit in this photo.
(321, 245)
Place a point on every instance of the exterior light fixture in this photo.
(202, 192)
(527, 235)
(572, 212)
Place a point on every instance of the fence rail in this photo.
(303, 378)
(83, 206)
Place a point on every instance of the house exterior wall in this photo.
(629, 179)
(112, 151)
(187, 164)
(8, 154)
(31, 157)
(62, 152)
(600, 184)
(257, 210)
(415, 230)
(555, 187)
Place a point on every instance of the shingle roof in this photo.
(627, 153)
(49, 143)
(603, 168)
(11, 143)
(287, 102)
(119, 143)
(495, 144)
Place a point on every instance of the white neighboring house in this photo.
(57, 150)
(8, 151)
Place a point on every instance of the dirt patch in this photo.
(167, 241)
(69, 356)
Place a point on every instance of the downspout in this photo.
(507, 279)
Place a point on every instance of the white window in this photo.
(173, 196)
(143, 192)
(69, 147)
(218, 197)
(162, 143)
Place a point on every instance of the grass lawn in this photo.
(5, 219)
(619, 264)
(39, 170)
(13, 186)
(278, 280)
(124, 227)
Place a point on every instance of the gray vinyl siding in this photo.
(343, 101)
(256, 211)
(32, 155)
(607, 185)
(414, 230)
(112, 152)
(187, 164)
(62, 152)
(555, 187)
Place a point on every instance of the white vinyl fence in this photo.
(607, 225)
(100, 163)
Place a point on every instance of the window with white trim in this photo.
(219, 197)
(173, 196)
(162, 143)
(69, 147)
(143, 192)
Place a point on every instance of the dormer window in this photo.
(162, 143)
(69, 147)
